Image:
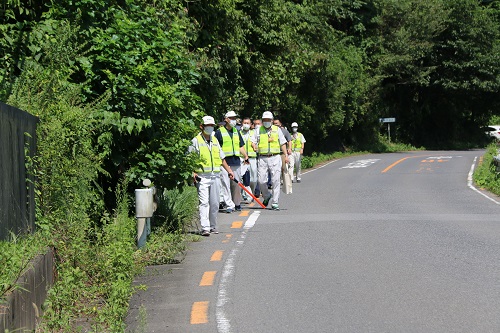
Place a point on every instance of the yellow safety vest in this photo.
(210, 159)
(248, 144)
(230, 145)
(297, 142)
(267, 146)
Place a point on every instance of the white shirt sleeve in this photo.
(255, 137)
(194, 146)
(281, 137)
(221, 154)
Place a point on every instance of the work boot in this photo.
(266, 201)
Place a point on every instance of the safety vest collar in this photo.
(230, 144)
(210, 157)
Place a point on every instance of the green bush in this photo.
(495, 120)
(486, 175)
(94, 250)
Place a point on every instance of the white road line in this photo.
(471, 186)
(360, 164)
(320, 167)
(252, 219)
(223, 322)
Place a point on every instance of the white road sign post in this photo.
(388, 121)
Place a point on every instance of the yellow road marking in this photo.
(208, 279)
(397, 162)
(432, 161)
(244, 213)
(252, 204)
(199, 313)
(394, 164)
(228, 237)
(237, 225)
(217, 256)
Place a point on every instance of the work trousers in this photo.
(231, 193)
(208, 198)
(271, 164)
(295, 168)
(252, 170)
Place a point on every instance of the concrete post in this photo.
(145, 206)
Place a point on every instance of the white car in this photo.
(494, 131)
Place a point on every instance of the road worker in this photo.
(257, 123)
(251, 174)
(288, 137)
(269, 141)
(207, 177)
(298, 142)
(233, 147)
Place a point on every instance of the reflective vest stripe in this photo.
(269, 143)
(248, 144)
(297, 142)
(230, 144)
(210, 159)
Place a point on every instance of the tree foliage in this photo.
(334, 66)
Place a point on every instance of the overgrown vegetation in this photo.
(487, 175)
(15, 256)
(95, 246)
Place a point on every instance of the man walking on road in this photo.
(298, 142)
(207, 177)
(257, 123)
(251, 174)
(269, 141)
(286, 178)
(233, 147)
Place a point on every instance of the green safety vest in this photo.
(210, 159)
(297, 142)
(230, 145)
(266, 146)
(248, 144)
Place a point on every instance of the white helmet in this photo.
(267, 115)
(294, 124)
(208, 120)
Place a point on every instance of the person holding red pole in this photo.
(207, 177)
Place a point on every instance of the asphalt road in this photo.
(374, 243)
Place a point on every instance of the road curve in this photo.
(377, 243)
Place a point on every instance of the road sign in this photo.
(387, 120)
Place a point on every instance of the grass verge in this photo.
(486, 175)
